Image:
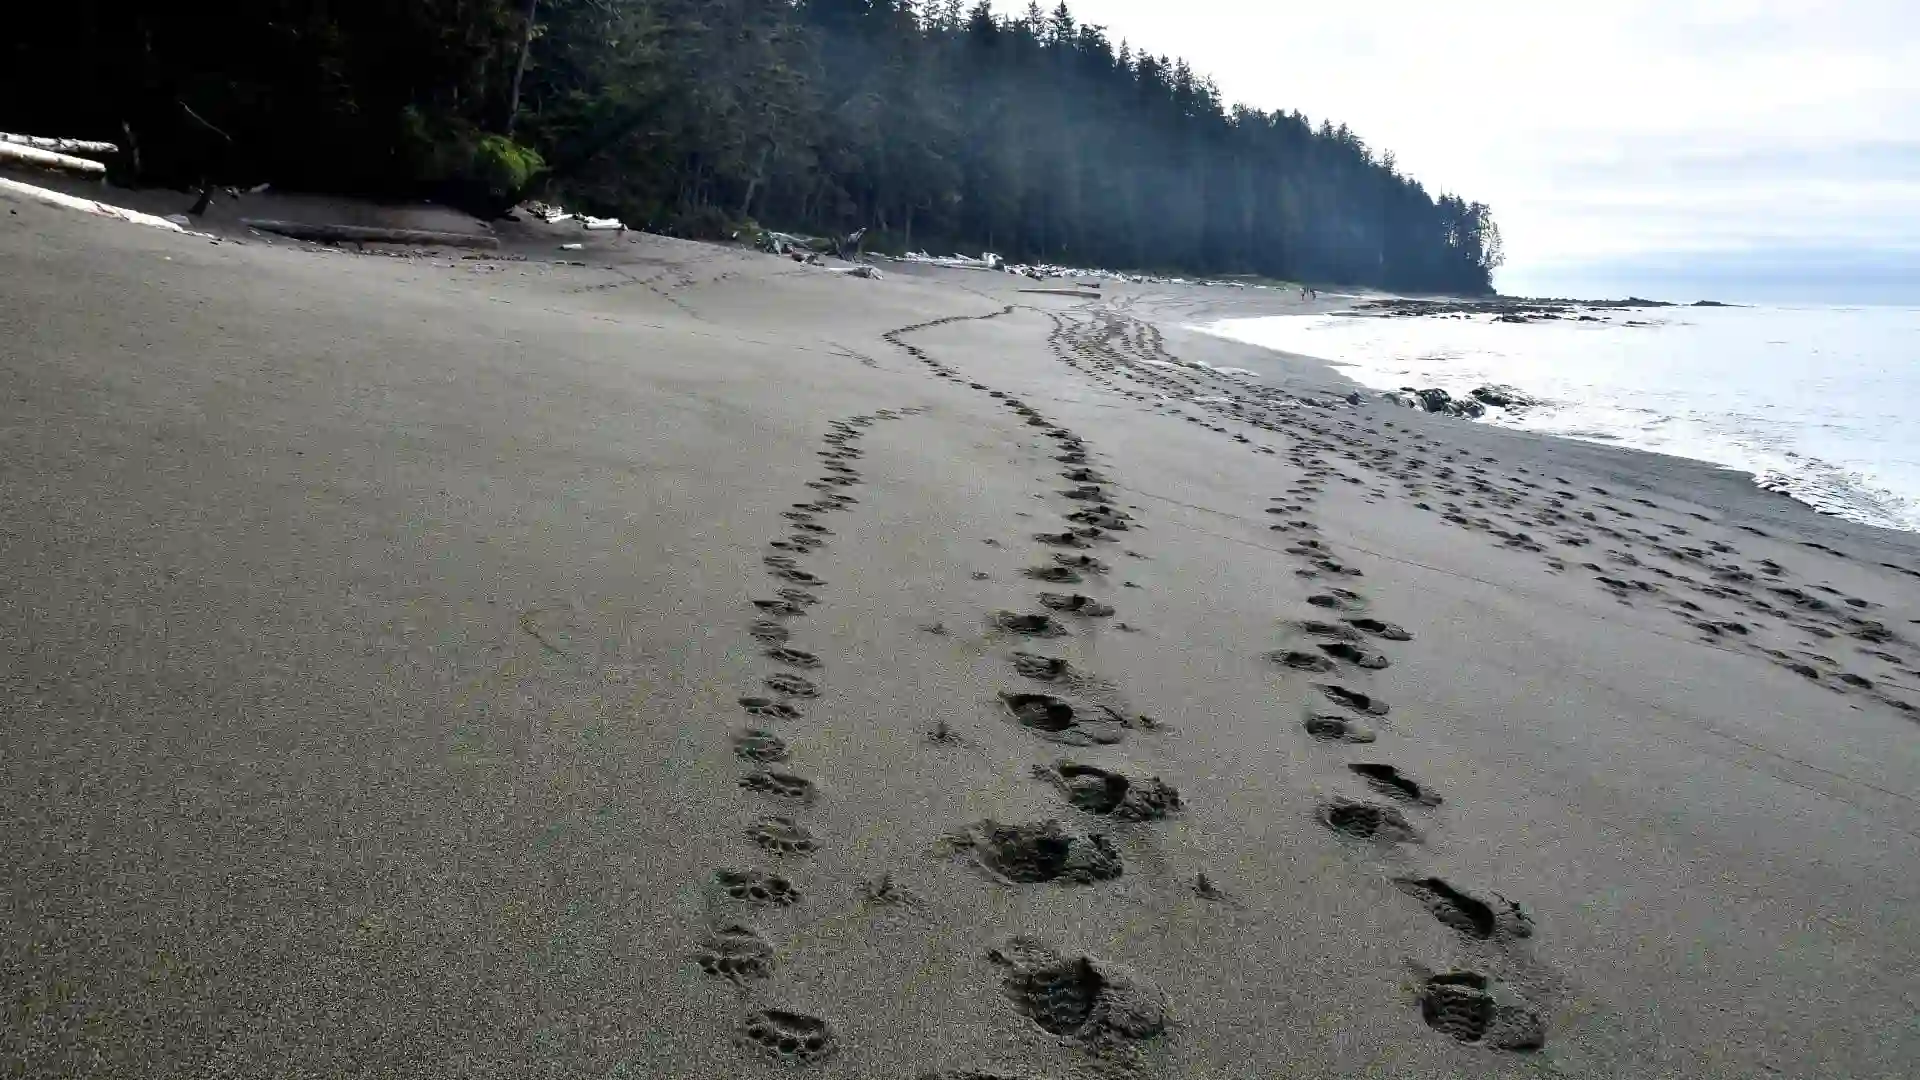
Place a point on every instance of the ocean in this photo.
(1813, 402)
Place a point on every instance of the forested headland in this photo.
(933, 125)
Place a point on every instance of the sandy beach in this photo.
(694, 664)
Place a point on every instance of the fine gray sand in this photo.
(440, 667)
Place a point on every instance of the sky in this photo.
(1743, 150)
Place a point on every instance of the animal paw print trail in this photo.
(1098, 1002)
(777, 831)
(1337, 646)
(1652, 558)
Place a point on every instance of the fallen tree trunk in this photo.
(363, 234)
(18, 154)
(16, 189)
(61, 146)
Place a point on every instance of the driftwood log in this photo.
(363, 234)
(34, 157)
(848, 247)
(81, 147)
(14, 189)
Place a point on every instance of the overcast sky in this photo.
(1744, 149)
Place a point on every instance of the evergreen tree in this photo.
(932, 123)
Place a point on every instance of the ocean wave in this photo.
(1743, 446)
(1821, 423)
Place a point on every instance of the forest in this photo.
(935, 125)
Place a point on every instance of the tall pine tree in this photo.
(934, 124)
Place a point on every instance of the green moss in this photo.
(501, 169)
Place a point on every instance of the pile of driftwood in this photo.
(65, 156)
(554, 215)
(55, 155)
(809, 249)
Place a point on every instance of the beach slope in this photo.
(695, 664)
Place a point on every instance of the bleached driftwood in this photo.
(82, 147)
(364, 234)
(19, 154)
(14, 188)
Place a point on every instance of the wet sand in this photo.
(692, 664)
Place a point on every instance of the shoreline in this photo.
(1806, 492)
(667, 659)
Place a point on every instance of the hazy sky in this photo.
(1747, 149)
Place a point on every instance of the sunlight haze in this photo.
(1758, 150)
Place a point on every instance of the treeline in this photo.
(934, 125)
